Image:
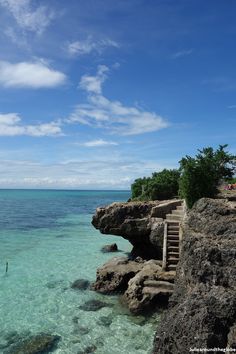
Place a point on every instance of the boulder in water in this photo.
(110, 248)
(80, 284)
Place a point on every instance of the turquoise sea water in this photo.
(48, 241)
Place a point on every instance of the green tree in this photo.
(138, 187)
(200, 176)
(162, 185)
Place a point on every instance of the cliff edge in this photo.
(202, 309)
(141, 223)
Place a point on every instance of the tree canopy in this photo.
(162, 185)
(196, 178)
(202, 174)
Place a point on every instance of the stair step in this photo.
(155, 291)
(172, 260)
(173, 237)
(173, 222)
(172, 232)
(173, 254)
(173, 225)
(173, 217)
(177, 212)
(172, 249)
(171, 267)
(180, 207)
(174, 229)
(158, 284)
(176, 242)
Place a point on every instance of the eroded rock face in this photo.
(202, 310)
(115, 274)
(232, 338)
(139, 222)
(144, 283)
(151, 286)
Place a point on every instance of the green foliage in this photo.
(231, 180)
(200, 176)
(162, 185)
(138, 187)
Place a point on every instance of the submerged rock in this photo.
(94, 305)
(80, 284)
(12, 337)
(88, 350)
(139, 222)
(114, 275)
(110, 248)
(78, 329)
(138, 320)
(37, 344)
(105, 321)
(55, 284)
(202, 311)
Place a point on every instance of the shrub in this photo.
(200, 176)
(162, 185)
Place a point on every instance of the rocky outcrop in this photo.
(202, 311)
(139, 222)
(143, 283)
(115, 274)
(151, 286)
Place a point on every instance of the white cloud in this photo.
(9, 119)
(93, 84)
(10, 125)
(114, 116)
(98, 143)
(29, 74)
(27, 16)
(106, 173)
(89, 45)
(182, 53)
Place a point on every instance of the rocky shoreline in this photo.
(139, 276)
(201, 294)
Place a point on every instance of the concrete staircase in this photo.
(172, 239)
(156, 287)
(176, 214)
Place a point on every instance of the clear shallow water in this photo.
(48, 240)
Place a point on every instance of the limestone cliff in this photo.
(202, 311)
(139, 222)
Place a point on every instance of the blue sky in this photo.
(96, 93)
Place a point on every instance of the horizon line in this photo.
(66, 189)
